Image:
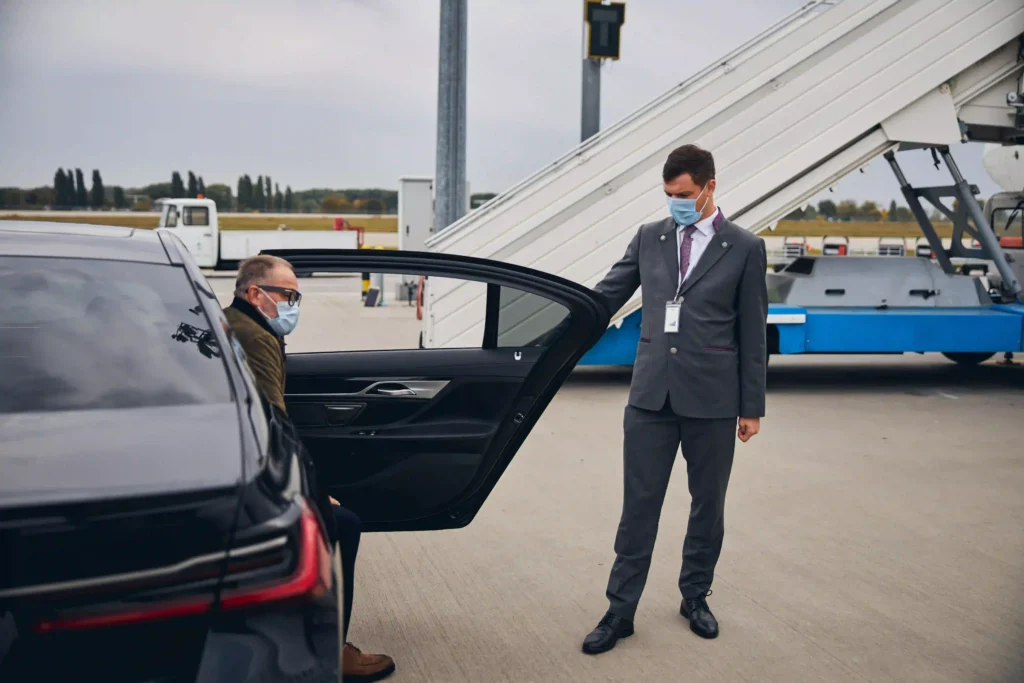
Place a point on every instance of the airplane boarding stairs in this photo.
(813, 98)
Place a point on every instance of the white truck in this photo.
(195, 222)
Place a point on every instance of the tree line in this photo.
(264, 195)
(69, 192)
(849, 210)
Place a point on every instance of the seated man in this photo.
(265, 309)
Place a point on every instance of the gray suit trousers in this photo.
(652, 439)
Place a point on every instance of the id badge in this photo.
(672, 317)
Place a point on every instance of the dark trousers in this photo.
(652, 439)
(347, 531)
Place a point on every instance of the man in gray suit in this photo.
(700, 370)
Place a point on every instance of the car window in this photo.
(350, 312)
(80, 334)
(195, 215)
(524, 319)
(1008, 222)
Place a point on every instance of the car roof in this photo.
(80, 240)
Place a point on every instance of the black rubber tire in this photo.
(967, 358)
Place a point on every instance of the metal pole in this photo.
(985, 235)
(590, 120)
(450, 182)
(379, 281)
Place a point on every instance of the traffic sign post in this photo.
(604, 24)
(590, 119)
(450, 178)
(602, 27)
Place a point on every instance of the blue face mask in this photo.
(685, 211)
(287, 317)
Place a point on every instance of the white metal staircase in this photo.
(811, 99)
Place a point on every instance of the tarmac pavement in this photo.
(873, 533)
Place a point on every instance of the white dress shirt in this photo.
(699, 241)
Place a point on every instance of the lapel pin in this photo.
(725, 244)
(662, 238)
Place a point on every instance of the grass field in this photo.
(385, 224)
(227, 222)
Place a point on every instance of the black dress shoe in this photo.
(702, 621)
(607, 633)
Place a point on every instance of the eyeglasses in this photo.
(294, 296)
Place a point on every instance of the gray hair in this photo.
(256, 270)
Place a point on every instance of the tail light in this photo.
(310, 577)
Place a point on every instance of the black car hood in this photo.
(86, 455)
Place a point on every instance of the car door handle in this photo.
(380, 388)
(924, 293)
(405, 391)
(406, 388)
(835, 292)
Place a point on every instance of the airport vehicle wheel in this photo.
(966, 358)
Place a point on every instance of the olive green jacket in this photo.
(264, 350)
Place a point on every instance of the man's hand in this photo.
(334, 502)
(749, 426)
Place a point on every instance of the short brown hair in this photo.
(689, 159)
(256, 269)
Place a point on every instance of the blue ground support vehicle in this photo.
(889, 304)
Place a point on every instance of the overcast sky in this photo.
(338, 93)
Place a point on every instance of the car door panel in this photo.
(429, 460)
(393, 444)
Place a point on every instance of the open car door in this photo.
(416, 439)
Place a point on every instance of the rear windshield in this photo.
(79, 335)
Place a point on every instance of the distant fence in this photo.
(782, 249)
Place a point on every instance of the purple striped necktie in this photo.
(684, 251)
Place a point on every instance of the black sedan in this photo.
(156, 522)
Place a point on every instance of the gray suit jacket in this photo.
(714, 367)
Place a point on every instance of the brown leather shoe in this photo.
(357, 667)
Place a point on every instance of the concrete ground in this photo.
(874, 533)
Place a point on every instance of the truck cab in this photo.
(194, 221)
(1005, 213)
